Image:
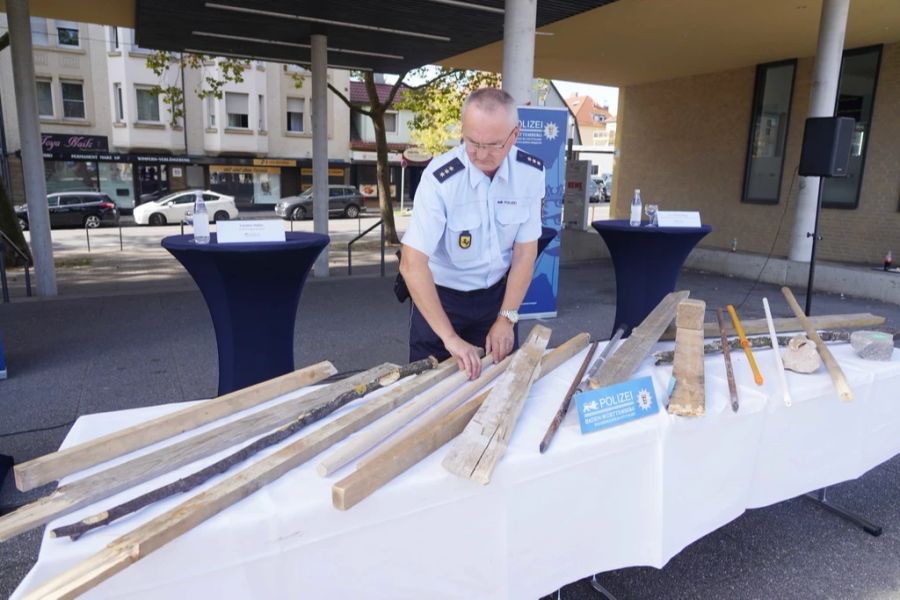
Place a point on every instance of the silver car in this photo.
(342, 200)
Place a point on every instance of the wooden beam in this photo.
(637, 346)
(72, 496)
(837, 374)
(759, 326)
(51, 467)
(422, 439)
(689, 397)
(364, 441)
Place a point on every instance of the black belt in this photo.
(475, 293)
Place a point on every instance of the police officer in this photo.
(468, 254)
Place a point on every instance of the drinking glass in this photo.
(651, 210)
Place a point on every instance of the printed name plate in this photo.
(678, 218)
(237, 232)
(616, 404)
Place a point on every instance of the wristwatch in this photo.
(511, 315)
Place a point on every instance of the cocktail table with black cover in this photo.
(647, 261)
(252, 291)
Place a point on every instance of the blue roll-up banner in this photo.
(543, 134)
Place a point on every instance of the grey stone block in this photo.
(872, 345)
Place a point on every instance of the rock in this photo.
(801, 355)
(872, 345)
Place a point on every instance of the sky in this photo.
(601, 93)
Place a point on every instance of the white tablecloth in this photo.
(633, 495)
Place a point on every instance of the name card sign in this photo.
(678, 218)
(616, 404)
(248, 232)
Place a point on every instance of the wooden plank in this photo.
(364, 441)
(689, 397)
(480, 447)
(637, 346)
(776, 351)
(422, 439)
(72, 496)
(51, 467)
(157, 532)
(837, 374)
(759, 326)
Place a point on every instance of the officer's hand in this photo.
(500, 339)
(466, 355)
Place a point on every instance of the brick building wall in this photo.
(683, 142)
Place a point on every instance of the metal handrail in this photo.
(20, 252)
(380, 223)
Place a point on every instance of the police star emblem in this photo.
(465, 240)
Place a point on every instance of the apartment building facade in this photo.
(103, 129)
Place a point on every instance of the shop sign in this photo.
(274, 162)
(64, 142)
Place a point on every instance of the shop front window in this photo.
(71, 176)
(117, 182)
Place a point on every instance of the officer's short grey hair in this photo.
(490, 100)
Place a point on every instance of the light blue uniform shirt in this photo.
(466, 223)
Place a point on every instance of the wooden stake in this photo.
(729, 369)
(72, 496)
(366, 440)
(689, 397)
(567, 399)
(481, 446)
(51, 467)
(424, 438)
(837, 375)
(757, 326)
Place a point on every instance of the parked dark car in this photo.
(342, 200)
(76, 209)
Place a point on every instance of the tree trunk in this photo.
(383, 177)
(9, 225)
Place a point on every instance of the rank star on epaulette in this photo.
(528, 159)
(451, 168)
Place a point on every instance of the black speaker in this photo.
(826, 146)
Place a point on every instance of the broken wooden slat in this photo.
(729, 369)
(779, 366)
(689, 397)
(478, 450)
(758, 326)
(72, 496)
(422, 439)
(837, 374)
(51, 467)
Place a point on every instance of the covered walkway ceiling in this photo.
(618, 42)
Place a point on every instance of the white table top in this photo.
(633, 495)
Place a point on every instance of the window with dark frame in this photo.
(72, 99)
(44, 90)
(769, 122)
(856, 96)
(67, 34)
(237, 110)
(295, 108)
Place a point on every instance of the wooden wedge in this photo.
(422, 439)
(51, 467)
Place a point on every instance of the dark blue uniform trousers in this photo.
(472, 315)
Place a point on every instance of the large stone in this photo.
(801, 355)
(872, 345)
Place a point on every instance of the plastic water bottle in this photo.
(636, 209)
(201, 221)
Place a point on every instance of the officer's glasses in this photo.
(490, 147)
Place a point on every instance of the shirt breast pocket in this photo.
(510, 214)
(464, 238)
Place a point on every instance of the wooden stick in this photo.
(726, 352)
(157, 532)
(837, 375)
(457, 398)
(757, 376)
(664, 357)
(759, 326)
(366, 440)
(51, 467)
(72, 496)
(483, 443)
(779, 366)
(426, 437)
(185, 484)
(567, 399)
(591, 381)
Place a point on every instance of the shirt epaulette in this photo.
(451, 168)
(528, 159)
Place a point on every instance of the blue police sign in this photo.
(616, 404)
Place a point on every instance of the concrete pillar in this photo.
(822, 98)
(518, 48)
(319, 68)
(30, 139)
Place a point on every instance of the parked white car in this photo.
(177, 206)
